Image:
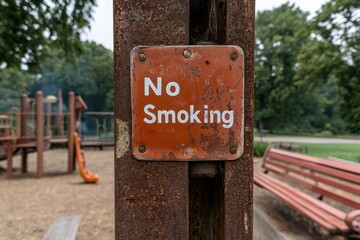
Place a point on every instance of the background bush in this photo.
(259, 149)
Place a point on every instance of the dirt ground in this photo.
(29, 205)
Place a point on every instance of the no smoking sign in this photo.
(187, 103)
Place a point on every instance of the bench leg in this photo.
(9, 158)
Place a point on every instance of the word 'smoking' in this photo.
(191, 115)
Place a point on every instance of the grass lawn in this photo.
(344, 151)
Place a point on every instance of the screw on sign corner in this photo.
(233, 56)
(233, 150)
(142, 149)
(187, 53)
(142, 57)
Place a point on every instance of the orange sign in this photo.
(187, 103)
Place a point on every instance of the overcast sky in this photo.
(102, 25)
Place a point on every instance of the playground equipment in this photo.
(88, 176)
(28, 133)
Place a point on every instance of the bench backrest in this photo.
(337, 180)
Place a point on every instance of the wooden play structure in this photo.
(31, 129)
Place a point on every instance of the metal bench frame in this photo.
(291, 173)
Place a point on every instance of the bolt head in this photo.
(233, 150)
(233, 56)
(187, 53)
(142, 57)
(142, 149)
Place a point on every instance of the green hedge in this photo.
(259, 149)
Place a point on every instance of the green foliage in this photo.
(259, 149)
(279, 102)
(13, 83)
(28, 28)
(325, 133)
(90, 76)
(344, 151)
(307, 72)
(333, 55)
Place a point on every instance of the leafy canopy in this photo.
(280, 35)
(91, 76)
(29, 27)
(333, 55)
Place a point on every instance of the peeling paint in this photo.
(123, 143)
(246, 222)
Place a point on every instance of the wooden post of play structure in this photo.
(71, 130)
(23, 109)
(80, 106)
(182, 177)
(60, 116)
(39, 133)
(23, 131)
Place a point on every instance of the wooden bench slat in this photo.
(334, 164)
(309, 210)
(320, 168)
(285, 175)
(338, 197)
(330, 209)
(345, 187)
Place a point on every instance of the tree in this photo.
(333, 55)
(13, 83)
(91, 76)
(28, 28)
(280, 103)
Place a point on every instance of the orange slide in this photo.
(88, 177)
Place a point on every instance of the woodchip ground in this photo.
(29, 205)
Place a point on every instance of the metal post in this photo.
(71, 130)
(39, 133)
(240, 30)
(181, 200)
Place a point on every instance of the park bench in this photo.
(63, 228)
(325, 191)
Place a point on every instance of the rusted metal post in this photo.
(151, 199)
(71, 130)
(39, 133)
(181, 200)
(238, 181)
